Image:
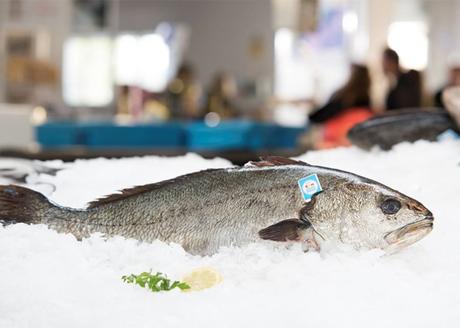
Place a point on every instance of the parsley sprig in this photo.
(155, 282)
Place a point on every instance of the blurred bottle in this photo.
(183, 95)
(222, 96)
(123, 100)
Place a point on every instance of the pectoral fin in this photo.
(293, 230)
(287, 230)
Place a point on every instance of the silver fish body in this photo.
(206, 210)
(397, 126)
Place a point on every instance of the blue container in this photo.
(285, 137)
(227, 135)
(59, 134)
(241, 135)
(108, 135)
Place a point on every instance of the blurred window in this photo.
(93, 64)
(313, 64)
(410, 41)
(302, 72)
(143, 61)
(125, 55)
(87, 75)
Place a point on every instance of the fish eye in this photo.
(390, 206)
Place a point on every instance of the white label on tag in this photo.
(309, 186)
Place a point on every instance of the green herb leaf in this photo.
(155, 282)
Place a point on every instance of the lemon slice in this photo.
(202, 278)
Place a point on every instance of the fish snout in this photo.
(429, 216)
(410, 233)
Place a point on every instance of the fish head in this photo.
(410, 224)
(396, 220)
(375, 216)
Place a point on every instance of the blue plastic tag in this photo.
(309, 186)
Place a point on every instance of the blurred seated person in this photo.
(221, 97)
(354, 94)
(451, 98)
(405, 87)
(453, 81)
(183, 94)
(347, 106)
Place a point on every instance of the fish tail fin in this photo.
(21, 205)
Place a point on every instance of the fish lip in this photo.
(429, 217)
(406, 233)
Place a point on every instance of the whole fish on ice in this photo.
(391, 128)
(205, 210)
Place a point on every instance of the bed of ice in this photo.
(51, 280)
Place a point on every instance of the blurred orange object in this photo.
(335, 130)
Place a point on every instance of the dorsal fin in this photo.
(129, 192)
(122, 194)
(276, 161)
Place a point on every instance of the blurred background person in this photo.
(183, 94)
(346, 107)
(453, 80)
(222, 95)
(354, 94)
(451, 99)
(405, 89)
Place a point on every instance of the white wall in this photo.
(444, 27)
(221, 31)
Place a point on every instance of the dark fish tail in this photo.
(22, 205)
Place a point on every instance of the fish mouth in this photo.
(409, 234)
